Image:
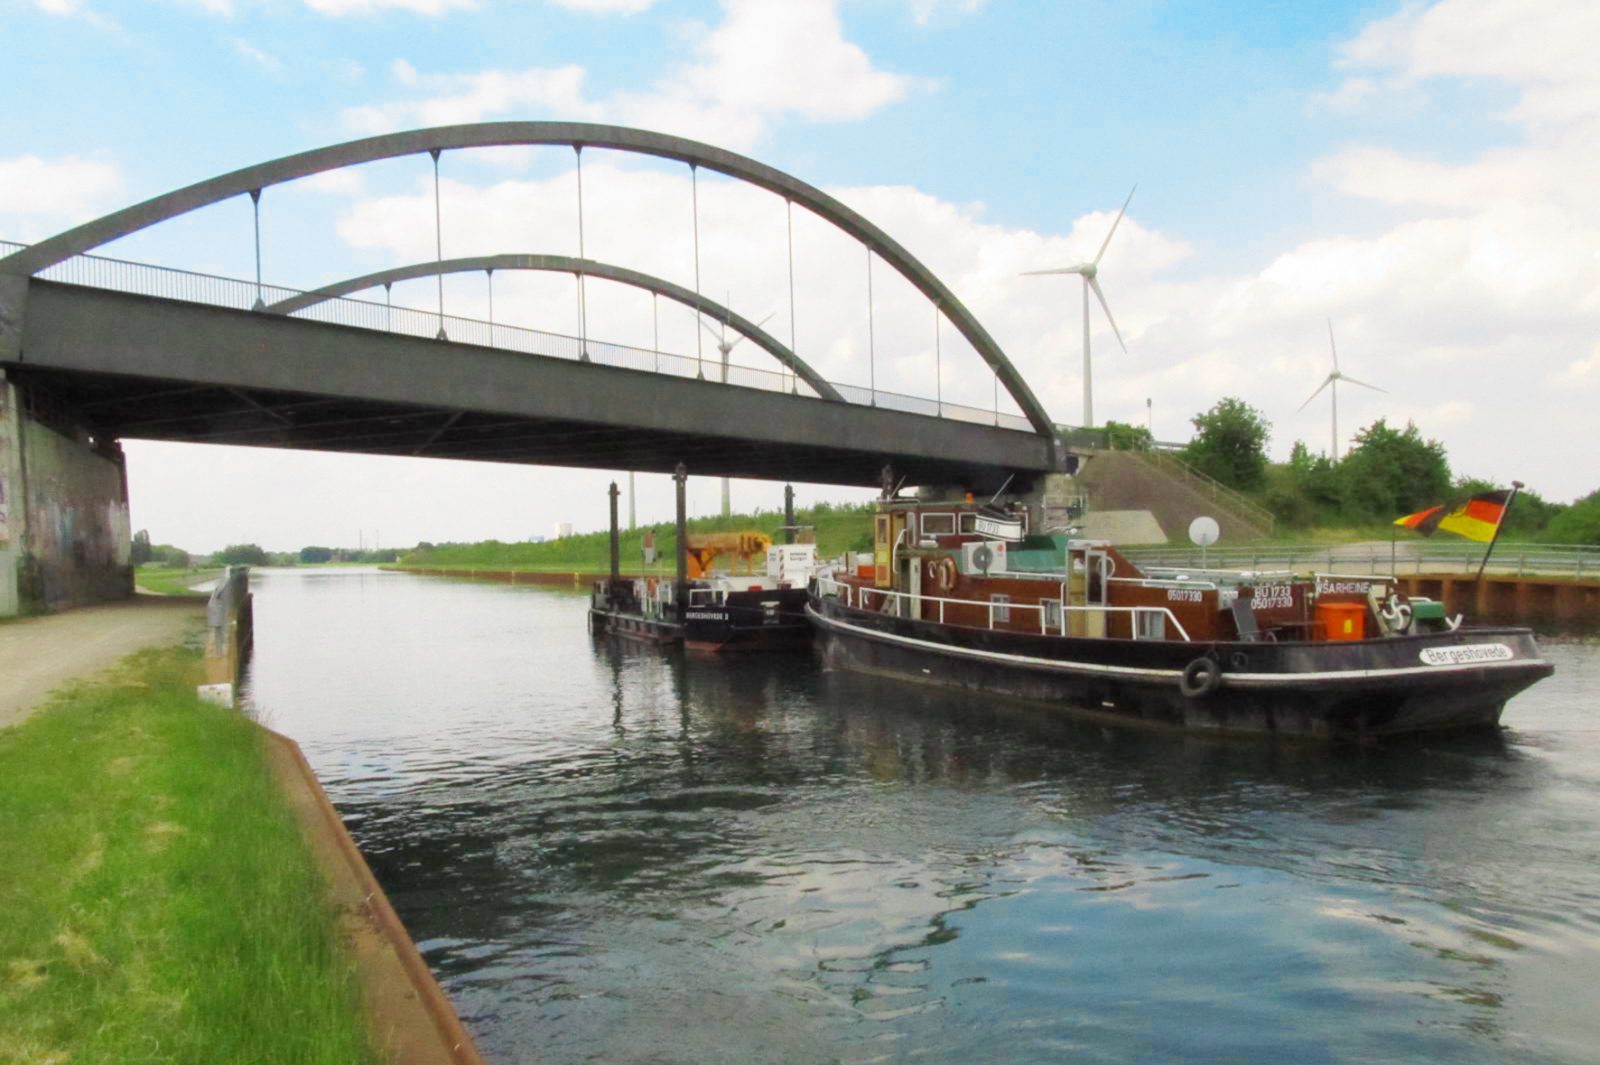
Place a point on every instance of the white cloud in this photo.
(772, 59)
(42, 196)
(605, 7)
(269, 63)
(75, 9)
(762, 63)
(340, 8)
(925, 12)
(475, 97)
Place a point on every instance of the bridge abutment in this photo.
(64, 532)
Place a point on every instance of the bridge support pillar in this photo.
(788, 514)
(64, 536)
(13, 301)
(680, 592)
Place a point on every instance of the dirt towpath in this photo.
(38, 655)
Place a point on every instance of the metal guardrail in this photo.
(858, 597)
(1395, 559)
(143, 279)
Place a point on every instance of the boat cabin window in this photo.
(969, 522)
(938, 524)
(1052, 615)
(1150, 625)
(999, 609)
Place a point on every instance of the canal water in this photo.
(609, 853)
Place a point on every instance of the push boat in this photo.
(965, 595)
(736, 608)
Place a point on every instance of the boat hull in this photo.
(745, 621)
(767, 620)
(1327, 690)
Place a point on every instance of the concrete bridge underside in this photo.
(137, 367)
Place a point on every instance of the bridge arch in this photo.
(567, 265)
(578, 135)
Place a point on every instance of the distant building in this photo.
(563, 529)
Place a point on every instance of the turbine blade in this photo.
(1059, 270)
(1351, 380)
(1107, 308)
(1114, 224)
(714, 334)
(1333, 347)
(743, 337)
(1326, 381)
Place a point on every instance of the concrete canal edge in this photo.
(412, 1020)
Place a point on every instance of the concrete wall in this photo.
(65, 539)
(11, 508)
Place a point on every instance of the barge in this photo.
(966, 595)
(733, 609)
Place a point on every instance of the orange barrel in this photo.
(1343, 621)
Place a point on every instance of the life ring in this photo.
(1200, 678)
(942, 573)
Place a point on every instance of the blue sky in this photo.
(1414, 172)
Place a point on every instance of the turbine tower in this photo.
(1332, 382)
(1089, 271)
(725, 346)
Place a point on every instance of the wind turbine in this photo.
(1332, 382)
(725, 346)
(1089, 271)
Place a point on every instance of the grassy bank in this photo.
(157, 902)
(838, 528)
(165, 581)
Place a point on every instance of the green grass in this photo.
(165, 581)
(838, 528)
(157, 901)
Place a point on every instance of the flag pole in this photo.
(1515, 487)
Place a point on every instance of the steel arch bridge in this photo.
(131, 364)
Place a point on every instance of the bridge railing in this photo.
(143, 279)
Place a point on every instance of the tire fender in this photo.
(1200, 678)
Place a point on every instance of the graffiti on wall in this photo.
(5, 523)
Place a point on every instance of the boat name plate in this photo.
(1000, 529)
(1466, 654)
(1326, 586)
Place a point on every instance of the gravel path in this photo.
(38, 655)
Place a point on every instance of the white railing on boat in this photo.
(860, 598)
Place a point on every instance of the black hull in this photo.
(745, 622)
(750, 621)
(1326, 690)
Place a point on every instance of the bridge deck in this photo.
(141, 367)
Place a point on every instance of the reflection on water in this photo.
(613, 853)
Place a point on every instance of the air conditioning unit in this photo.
(985, 557)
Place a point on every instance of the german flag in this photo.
(1476, 519)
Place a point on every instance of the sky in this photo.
(1419, 176)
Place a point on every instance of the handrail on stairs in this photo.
(1210, 485)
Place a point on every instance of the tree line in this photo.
(1389, 472)
(168, 556)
